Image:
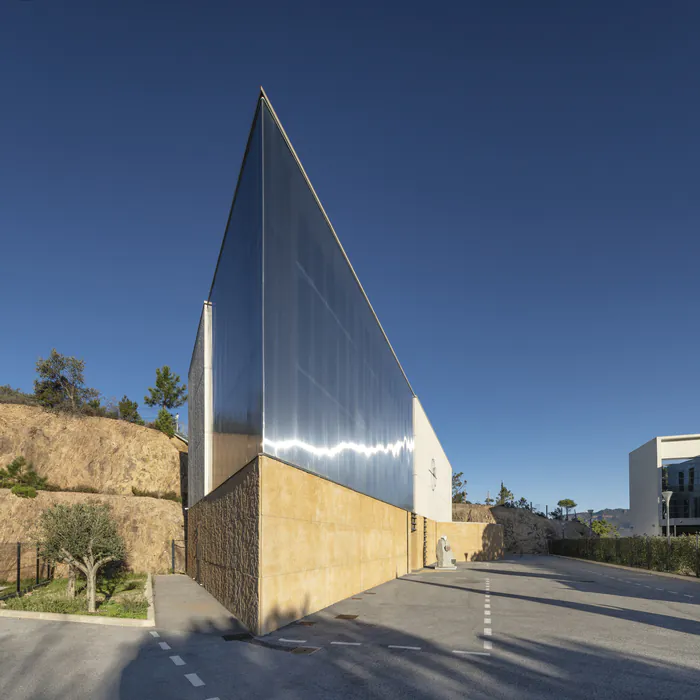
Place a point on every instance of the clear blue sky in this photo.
(515, 183)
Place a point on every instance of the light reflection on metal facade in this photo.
(302, 370)
(336, 401)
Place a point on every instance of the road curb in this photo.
(90, 619)
(680, 577)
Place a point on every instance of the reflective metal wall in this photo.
(195, 420)
(236, 299)
(335, 399)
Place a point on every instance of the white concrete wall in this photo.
(432, 497)
(645, 479)
(200, 407)
(644, 489)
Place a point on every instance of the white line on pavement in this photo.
(193, 678)
(292, 641)
(487, 605)
(687, 596)
(674, 592)
(154, 633)
(398, 646)
(471, 653)
(487, 620)
(164, 646)
(487, 612)
(659, 589)
(488, 631)
(348, 644)
(488, 644)
(177, 660)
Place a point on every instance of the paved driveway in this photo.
(530, 628)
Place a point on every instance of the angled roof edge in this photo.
(266, 99)
(235, 191)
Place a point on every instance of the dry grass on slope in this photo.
(109, 455)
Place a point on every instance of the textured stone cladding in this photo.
(321, 543)
(223, 536)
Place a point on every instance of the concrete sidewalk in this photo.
(183, 606)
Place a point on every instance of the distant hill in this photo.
(619, 517)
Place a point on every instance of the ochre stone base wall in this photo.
(223, 551)
(321, 543)
(274, 543)
(473, 541)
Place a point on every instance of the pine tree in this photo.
(129, 411)
(168, 392)
(165, 423)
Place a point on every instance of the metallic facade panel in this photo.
(195, 410)
(236, 299)
(336, 401)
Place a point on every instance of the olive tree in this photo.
(84, 536)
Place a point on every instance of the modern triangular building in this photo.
(313, 471)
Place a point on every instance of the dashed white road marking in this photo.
(196, 681)
(471, 653)
(488, 631)
(177, 660)
(637, 584)
(687, 596)
(487, 605)
(348, 644)
(164, 646)
(659, 589)
(154, 633)
(674, 592)
(488, 644)
(292, 641)
(487, 612)
(487, 620)
(398, 646)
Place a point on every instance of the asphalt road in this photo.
(530, 628)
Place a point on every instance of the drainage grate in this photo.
(243, 637)
(305, 650)
(346, 617)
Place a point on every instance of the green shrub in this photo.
(24, 491)
(165, 423)
(171, 496)
(167, 495)
(81, 488)
(22, 473)
(10, 395)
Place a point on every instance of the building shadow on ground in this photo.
(517, 668)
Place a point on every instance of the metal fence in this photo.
(21, 568)
(680, 555)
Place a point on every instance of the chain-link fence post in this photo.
(172, 556)
(37, 565)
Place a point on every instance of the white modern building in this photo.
(670, 463)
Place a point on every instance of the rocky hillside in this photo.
(148, 525)
(523, 531)
(109, 455)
